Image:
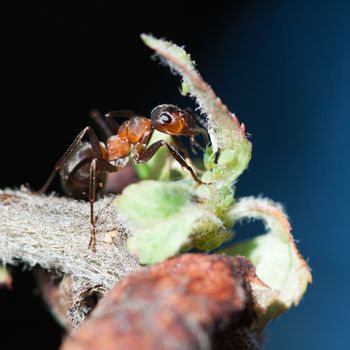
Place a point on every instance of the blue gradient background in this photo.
(282, 66)
(284, 69)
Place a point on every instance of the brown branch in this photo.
(193, 301)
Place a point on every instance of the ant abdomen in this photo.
(75, 173)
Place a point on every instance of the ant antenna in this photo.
(201, 120)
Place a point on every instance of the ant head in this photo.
(169, 119)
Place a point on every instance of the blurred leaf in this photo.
(5, 278)
(157, 167)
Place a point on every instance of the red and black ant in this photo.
(84, 166)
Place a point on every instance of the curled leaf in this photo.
(278, 262)
(226, 133)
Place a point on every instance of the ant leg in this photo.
(195, 145)
(103, 165)
(92, 194)
(108, 125)
(95, 147)
(98, 119)
(183, 151)
(203, 124)
(148, 153)
(203, 132)
(180, 147)
(201, 121)
(120, 114)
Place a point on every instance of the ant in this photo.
(84, 166)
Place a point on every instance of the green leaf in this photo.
(162, 215)
(225, 131)
(278, 263)
(149, 200)
(167, 217)
(185, 90)
(162, 239)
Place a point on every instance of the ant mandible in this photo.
(83, 167)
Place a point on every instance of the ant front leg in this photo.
(95, 147)
(149, 152)
(102, 164)
(182, 150)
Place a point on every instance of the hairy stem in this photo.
(53, 233)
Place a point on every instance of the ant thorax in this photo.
(134, 129)
(130, 133)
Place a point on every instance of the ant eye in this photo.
(165, 118)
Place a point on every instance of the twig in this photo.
(193, 301)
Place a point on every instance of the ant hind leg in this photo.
(102, 164)
(95, 147)
(119, 114)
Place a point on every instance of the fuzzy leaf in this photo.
(163, 217)
(278, 262)
(226, 133)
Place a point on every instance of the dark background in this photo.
(282, 66)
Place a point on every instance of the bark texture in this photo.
(186, 302)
